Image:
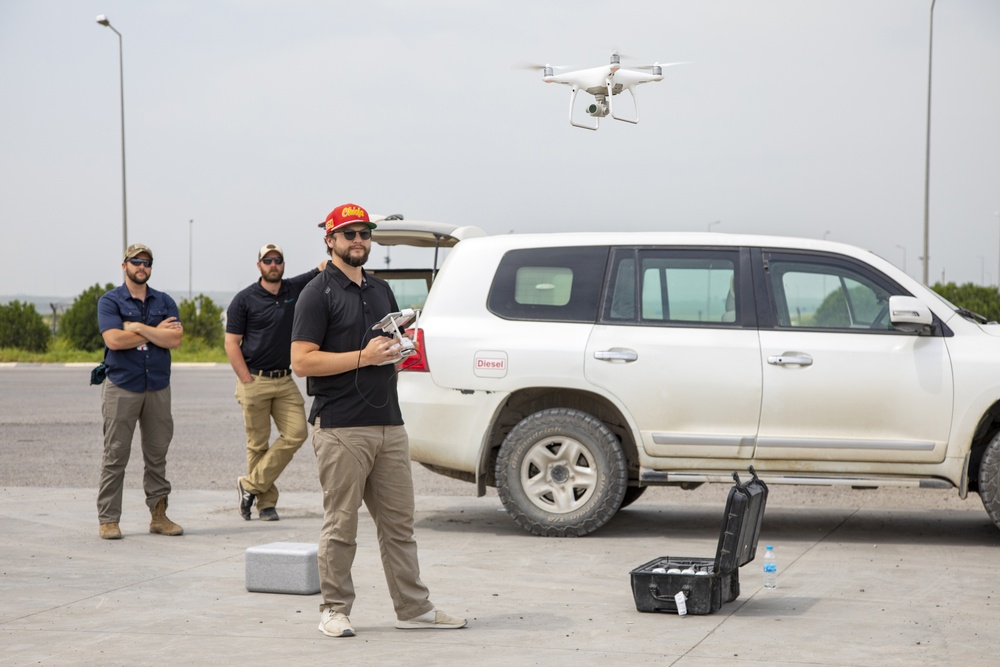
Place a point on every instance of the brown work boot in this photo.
(110, 531)
(161, 523)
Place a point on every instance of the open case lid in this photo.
(741, 523)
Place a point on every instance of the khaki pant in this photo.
(122, 410)
(265, 399)
(370, 464)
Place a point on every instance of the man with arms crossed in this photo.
(361, 445)
(140, 326)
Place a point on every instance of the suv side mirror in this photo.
(908, 313)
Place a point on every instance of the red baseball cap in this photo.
(346, 214)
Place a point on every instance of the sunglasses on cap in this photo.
(272, 260)
(349, 234)
(137, 261)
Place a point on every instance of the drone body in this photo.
(603, 83)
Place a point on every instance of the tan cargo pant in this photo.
(262, 400)
(370, 464)
(122, 411)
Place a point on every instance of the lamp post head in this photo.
(103, 20)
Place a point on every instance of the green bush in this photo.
(21, 326)
(982, 300)
(79, 322)
(202, 321)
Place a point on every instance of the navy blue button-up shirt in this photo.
(147, 367)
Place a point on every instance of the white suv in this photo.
(572, 371)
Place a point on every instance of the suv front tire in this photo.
(561, 473)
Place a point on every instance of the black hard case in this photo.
(720, 579)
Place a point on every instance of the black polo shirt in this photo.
(336, 314)
(265, 322)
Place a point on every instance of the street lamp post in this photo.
(715, 222)
(190, 254)
(103, 20)
(927, 156)
(903, 248)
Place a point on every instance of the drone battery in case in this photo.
(719, 581)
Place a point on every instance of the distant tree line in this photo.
(978, 299)
(22, 327)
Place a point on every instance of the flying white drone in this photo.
(603, 83)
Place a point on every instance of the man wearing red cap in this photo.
(361, 446)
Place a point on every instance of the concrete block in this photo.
(283, 567)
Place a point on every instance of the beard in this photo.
(269, 274)
(132, 273)
(354, 260)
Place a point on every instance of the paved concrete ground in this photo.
(856, 587)
(884, 577)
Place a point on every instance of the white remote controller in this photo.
(394, 324)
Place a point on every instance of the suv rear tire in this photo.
(561, 473)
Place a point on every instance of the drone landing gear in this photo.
(635, 106)
(597, 119)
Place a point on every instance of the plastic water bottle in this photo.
(770, 568)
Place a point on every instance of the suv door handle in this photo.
(790, 360)
(616, 355)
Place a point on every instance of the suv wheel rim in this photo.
(559, 475)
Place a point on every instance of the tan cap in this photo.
(137, 249)
(270, 247)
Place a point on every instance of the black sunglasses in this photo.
(273, 260)
(135, 261)
(349, 234)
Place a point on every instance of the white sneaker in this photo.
(435, 618)
(334, 624)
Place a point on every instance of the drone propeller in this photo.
(537, 67)
(651, 66)
(622, 56)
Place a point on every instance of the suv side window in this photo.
(551, 284)
(818, 292)
(684, 287)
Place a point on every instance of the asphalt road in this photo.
(50, 433)
(50, 436)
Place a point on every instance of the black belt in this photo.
(270, 374)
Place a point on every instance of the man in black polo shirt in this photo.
(258, 335)
(361, 446)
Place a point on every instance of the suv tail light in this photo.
(418, 361)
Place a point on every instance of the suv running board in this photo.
(650, 477)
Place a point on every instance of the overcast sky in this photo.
(254, 119)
